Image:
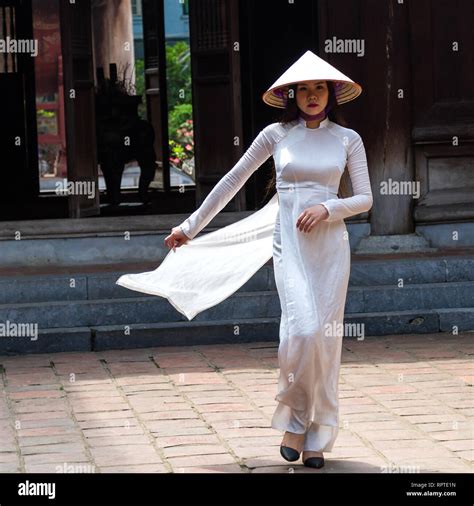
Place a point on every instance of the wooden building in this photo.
(416, 113)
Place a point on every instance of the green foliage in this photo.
(140, 85)
(45, 114)
(178, 74)
(177, 117)
(180, 124)
(182, 146)
(180, 110)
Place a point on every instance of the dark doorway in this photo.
(17, 121)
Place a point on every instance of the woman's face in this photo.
(312, 96)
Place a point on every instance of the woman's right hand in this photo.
(176, 239)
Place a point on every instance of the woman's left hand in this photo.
(310, 217)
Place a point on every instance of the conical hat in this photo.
(308, 68)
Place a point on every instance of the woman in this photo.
(311, 252)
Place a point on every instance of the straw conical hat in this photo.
(308, 68)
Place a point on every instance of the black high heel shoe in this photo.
(289, 454)
(316, 462)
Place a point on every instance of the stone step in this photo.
(422, 321)
(415, 296)
(241, 305)
(412, 270)
(106, 337)
(95, 285)
(122, 311)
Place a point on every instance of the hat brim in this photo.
(344, 91)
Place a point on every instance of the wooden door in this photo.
(215, 57)
(155, 80)
(443, 108)
(19, 175)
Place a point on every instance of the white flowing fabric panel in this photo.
(210, 268)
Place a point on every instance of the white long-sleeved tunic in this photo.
(311, 269)
(350, 148)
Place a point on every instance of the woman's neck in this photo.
(313, 120)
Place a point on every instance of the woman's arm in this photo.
(259, 151)
(362, 199)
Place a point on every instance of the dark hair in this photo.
(291, 113)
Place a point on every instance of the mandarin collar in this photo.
(323, 124)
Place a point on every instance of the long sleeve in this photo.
(362, 199)
(259, 151)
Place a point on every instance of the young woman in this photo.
(311, 252)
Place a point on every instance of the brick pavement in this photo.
(406, 405)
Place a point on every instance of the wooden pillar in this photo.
(78, 72)
(215, 56)
(113, 35)
(381, 115)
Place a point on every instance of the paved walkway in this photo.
(406, 406)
